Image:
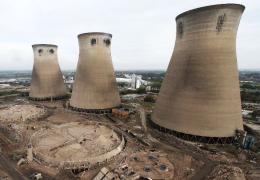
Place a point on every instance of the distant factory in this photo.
(133, 81)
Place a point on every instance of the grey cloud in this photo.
(143, 31)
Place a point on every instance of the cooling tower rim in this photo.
(47, 98)
(46, 45)
(192, 137)
(216, 6)
(95, 33)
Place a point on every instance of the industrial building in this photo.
(200, 97)
(133, 81)
(47, 82)
(95, 89)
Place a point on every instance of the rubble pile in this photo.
(140, 165)
(224, 172)
(21, 113)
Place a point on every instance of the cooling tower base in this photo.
(91, 111)
(193, 138)
(47, 98)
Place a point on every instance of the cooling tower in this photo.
(95, 89)
(47, 82)
(200, 95)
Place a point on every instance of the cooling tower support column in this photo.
(95, 89)
(200, 95)
(47, 82)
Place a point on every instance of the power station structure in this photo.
(200, 98)
(47, 81)
(95, 89)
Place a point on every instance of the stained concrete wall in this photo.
(200, 94)
(47, 81)
(95, 83)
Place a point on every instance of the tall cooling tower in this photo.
(95, 89)
(47, 82)
(200, 97)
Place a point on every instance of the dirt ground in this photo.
(74, 141)
(188, 160)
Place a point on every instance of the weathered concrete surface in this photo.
(200, 93)
(47, 81)
(95, 83)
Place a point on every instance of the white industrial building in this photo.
(134, 81)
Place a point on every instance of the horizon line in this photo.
(240, 69)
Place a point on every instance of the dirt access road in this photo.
(5, 163)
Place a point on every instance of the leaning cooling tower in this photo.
(200, 94)
(95, 89)
(47, 82)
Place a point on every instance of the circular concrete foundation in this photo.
(75, 145)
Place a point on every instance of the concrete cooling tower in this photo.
(47, 82)
(95, 89)
(200, 97)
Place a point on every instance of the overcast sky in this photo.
(143, 30)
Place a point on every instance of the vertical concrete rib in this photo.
(200, 94)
